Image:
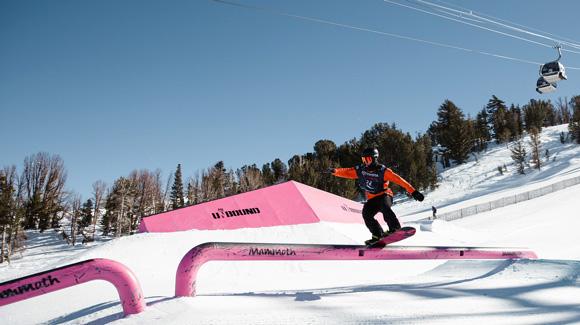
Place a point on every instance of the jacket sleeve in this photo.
(395, 178)
(346, 173)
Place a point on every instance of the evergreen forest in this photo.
(34, 195)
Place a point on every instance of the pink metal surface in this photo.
(38, 284)
(289, 203)
(185, 282)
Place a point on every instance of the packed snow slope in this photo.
(543, 291)
(479, 180)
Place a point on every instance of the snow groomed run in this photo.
(131, 295)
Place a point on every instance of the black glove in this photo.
(418, 196)
(330, 171)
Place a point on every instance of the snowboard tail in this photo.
(398, 235)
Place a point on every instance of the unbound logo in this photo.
(221, 213)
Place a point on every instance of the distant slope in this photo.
(479, 178)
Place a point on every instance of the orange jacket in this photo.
(350, 173)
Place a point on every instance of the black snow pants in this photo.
(383, 204)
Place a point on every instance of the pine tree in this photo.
(432, 132)
(534, 114)
(218, 179)
(483, 135)
(519, 155)
(394, 146)
(216, 182)
(86, 214)
(122, 206)
(124, 196)
(551, 116)
(514, 122)
(348, 154)
(86, 219)
(497, 114)
(325, 149)
(112, 209)
(453, 132)
(107, 219)
(34, 210)
(324, 158)
(267, 174)
(423, 173)
(176, 197)
(297, 168)
(280, 171)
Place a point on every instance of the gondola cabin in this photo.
(543, 86)
(553, 71)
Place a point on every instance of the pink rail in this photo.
(185, 282)
(67, 276)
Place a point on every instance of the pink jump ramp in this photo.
(288, 203)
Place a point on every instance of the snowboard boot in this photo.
(373, 240)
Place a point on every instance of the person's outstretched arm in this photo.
(349, 172)
(394, 177)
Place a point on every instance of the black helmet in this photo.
(370, 152)
(370, 156)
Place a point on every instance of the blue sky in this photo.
(113, 86)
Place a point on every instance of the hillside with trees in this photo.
(34, 196)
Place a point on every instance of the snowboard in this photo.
(398, 235)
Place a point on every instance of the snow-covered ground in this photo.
(479, 180)
(543, 291)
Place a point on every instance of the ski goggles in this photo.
(367, 160)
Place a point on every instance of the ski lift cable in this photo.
(328, 22)
(569, 41)
(471, 15)
(474, 25)
(498, 21)
(364, 29)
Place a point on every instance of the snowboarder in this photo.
(373, 179)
